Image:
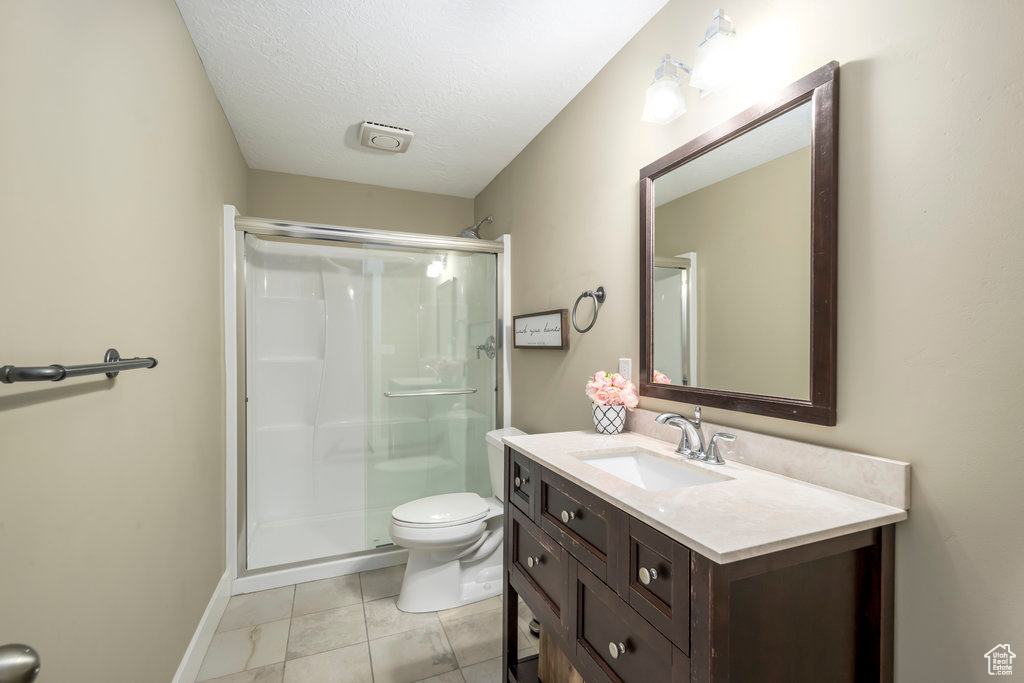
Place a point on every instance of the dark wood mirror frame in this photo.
(821, 89)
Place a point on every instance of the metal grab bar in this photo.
(434, 392)
(111, 365)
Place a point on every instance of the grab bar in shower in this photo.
(111, 365)
(433, 392)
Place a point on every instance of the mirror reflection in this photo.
(732, 268)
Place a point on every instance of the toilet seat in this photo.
(446, 510)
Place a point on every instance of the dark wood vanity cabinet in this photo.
(625, 603)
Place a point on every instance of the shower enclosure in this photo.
(371, 379)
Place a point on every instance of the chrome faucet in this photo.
(704, 453)
(686, 424)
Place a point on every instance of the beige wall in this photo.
(753, 243)
(931, 292)
(116, 162)
(336, 202)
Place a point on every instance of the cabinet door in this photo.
(591, 529)
(659, 582)
(539, 570)
(613, 643)
(520, 485)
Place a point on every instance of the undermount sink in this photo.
(652, 472)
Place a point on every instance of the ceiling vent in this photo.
(382, 136)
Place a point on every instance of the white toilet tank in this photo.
(496, 458)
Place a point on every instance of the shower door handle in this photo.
(439, 392)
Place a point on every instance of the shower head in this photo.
(473, 231)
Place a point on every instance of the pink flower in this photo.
(606, 396)
(630, 400)
(661, 378)
(606, 389)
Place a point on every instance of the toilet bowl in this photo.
(454, 542)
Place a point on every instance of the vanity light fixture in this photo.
(716, 67)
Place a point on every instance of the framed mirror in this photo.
(738, 260)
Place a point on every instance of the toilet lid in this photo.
(448, 509)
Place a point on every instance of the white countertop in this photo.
(755, 513)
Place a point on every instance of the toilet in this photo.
(454, 542)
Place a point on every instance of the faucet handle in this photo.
(696, 413)
(713, 456)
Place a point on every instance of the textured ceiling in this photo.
(779, 137)
(475, 80)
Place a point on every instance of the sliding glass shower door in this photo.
(371, 381)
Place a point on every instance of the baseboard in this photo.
(322, 570)
(200, 643)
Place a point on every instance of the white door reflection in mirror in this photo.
(675, 319)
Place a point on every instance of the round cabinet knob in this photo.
(616, 649)
(647, 575)
(533, 561)
(519, 482)
(568, 516)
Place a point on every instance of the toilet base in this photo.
(433, 583)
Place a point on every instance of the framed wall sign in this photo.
(547, 330)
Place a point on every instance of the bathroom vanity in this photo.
(739, 575)
(775, 566)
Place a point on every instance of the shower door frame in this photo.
(244, 580)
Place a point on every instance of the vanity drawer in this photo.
(541, 562)
(591, 529)
(659, 582)
(613, 643)
(520, 481)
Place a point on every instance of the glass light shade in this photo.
(717, 63)
(664, 102)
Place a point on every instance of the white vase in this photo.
(609, 419)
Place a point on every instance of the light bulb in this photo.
(664, 101)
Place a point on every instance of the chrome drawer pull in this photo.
(616, 649)
(532, 562)
(648, 575)
(568, 516)
(519, 482)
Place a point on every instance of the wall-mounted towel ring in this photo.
(598, 297)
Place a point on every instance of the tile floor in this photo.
(348, 630)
